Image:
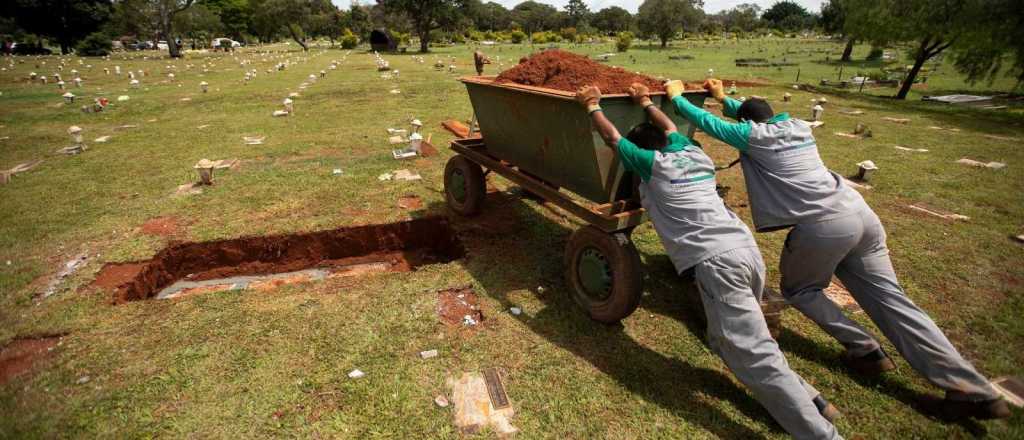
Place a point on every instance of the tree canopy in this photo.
(663, 19)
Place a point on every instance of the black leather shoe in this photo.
(827, 410)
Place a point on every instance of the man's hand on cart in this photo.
(716, 88)
(674, 88)
(641, 94)
(589, 97)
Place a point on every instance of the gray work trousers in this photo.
(730, 285)
(853, 248)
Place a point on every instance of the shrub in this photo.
(875, 54)
(349, 40)
(97, 44)
(491, 35)
(475, 35)
(539, 37)
(458, 38)
(624, 41)
(517, 37)
(568, 34)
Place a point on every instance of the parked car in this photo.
(161, 45)
(29, 49)
(225, 43)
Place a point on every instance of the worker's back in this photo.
(787, 182)
(680, 198)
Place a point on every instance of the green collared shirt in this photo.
(641, 161)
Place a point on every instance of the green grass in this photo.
(263, 364)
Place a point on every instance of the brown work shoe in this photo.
(981, 410)
(827, 410)
(871, 364)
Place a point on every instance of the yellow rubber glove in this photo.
(674, 88)
(589, 97)
(640, 94)
(716, 88)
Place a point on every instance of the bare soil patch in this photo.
(20, 355)
(402, 246)
(459, 307)
(161, 226)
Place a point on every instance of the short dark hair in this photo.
(648, 136)
(756, 110)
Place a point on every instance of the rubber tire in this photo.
(476, 186)
(627, 278)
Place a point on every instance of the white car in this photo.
(161, 45)
(225, 42)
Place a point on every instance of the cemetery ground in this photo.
(274, 360)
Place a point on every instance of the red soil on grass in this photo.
(20, 355)
(162, 226)
(561, 70)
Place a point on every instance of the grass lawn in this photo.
(273, 363)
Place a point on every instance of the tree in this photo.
(235, 15)
(934, 26)
(533, 16)
(833, 20)
(612, 20)
(66, 21)
(998, 39)
(742, 18)
(426, 15)
(665, 18)
(787, 15)
(296, 17)
(160, 18)
(198, 23)
(578, 12)
(359, 20)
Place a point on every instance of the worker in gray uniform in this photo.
(677, 190)
(833, 231)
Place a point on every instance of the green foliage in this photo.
(534, 16)
(568, 34)
(67, 21)
(664, 19)
(349, 40)
(539, 37)
(623, 41)
(788, 16)
(97, 44)
(517, 36)
(612, 19)
(875, 54)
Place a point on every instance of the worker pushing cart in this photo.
(834, 231)
(698, 231)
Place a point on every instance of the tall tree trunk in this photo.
(173, 48)
(664, 42)
(922, 57)
(848, 51)
(295, 36)
(424, 40)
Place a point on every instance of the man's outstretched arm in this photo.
(633, 158)
(734, 134)
(641, 96)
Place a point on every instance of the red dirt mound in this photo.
(561, 70)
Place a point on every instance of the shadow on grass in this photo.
(510, 234)
(508, 224)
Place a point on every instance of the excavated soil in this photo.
(561, 70)
(455, 305)
(403, 246)
(20, 355)
(162, 226)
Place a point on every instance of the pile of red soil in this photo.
(561, 70)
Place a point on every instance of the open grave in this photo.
(269, 261)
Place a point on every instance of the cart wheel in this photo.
(464, 186)
(603, 271)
